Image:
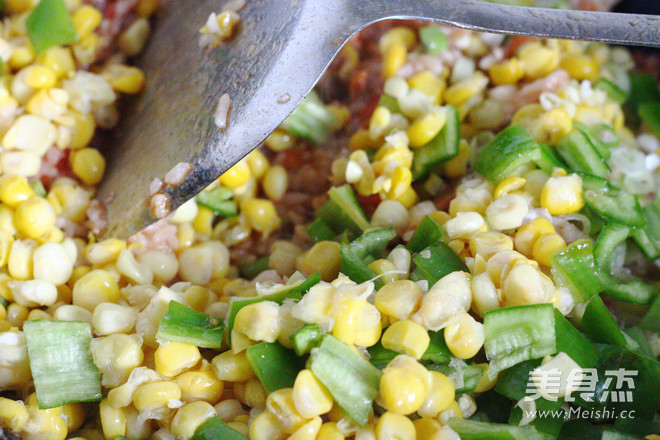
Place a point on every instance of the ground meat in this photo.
(117, 16)
(160, 236)
(97, 219)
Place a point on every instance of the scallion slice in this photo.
(184, 324)
(275, 366)
(311, 120)
(435, 262)
(508, 151)
(351, 379)
(61, 362)
(214, 429)
(49, 25)
(519, 333)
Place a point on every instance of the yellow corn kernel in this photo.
(282, 405)
(406, 337)
(330, 431)
(84, 51)
(200, 385)
(323, 257)
(397, 35)
(86, 19)
(545, 246)
(401, 181)
(13, 414)
(40, 77)
(155, 395)
(266, 426)
(146, 8)
(393, 59)
(398, 299)
(439, 397)
(425, 128)
(457, 165)
(188, 418)
(173, 358)
(93, 288)
(458, 94)
(528, 233)
(391, 426)
(401, 390)
(528, 114)
(275, 182)
(580, 66)
(17, 314)
(426, 428)
(124, 79)
(464, 336)
(380, 120)
(507, 185)
(74, 415)
(18, 6)
(46, 425)
(361, 140)
(357, 322)
(385, 268)
(113, 420)
(232, 367)
(38, 314)
(236, 176)
(506, 72)
(429, 84)
(14, 190)
(310, 397)
(308, 431)
(562, 195)
(524, 284)
(88, 164)
(552, 126)
(538, 60)
(280, 140)
(58, 59)
(105, 251)
(83, 129)
(485, 382)
(204, 220)
(258, 163)
(261, 215)
(259, 321)
(34, 217)
(21, 56)
(489, 243)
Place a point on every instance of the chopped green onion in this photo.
(651, 319)
(428, 232)
(356, 256)
(599, 323)
(519, 333)
(599, 145)
(435, 262)
(433, 39)
(351, 379)
(319, 230)
(611, 202)
(343, 212)
(633, 291)
(575, 268)
(295, 291)
(61, 362)
(512, 382)
(251, 270)
(548, 160)
(574, 343)
(579, 429)
(508, 151)
(4, 302)
(577, 150)
(648, 238)
(275, 366)
(614, 92)
(441, 148)
(219, 201)
(306, 338)
(184, 324)
(311, 120)
(471, 430)
(215, 429)
(650, 114)
(638, 335)
(390, 103)
(38, 187)
(50, 25)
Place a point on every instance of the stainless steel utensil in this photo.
(276, 57)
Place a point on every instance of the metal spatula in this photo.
(276, 57)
